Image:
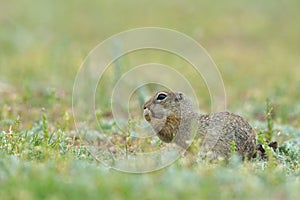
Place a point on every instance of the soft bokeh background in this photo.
(255, 44)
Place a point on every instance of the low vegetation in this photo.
(43, 155)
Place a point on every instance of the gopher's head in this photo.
(163, 112)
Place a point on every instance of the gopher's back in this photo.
(217, 131)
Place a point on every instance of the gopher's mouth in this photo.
(147, 118)
(147, 115)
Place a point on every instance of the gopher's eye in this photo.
(161, 96)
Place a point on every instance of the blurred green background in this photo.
(255, 44)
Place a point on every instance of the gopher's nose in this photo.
(147, 104)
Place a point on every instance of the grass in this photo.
(37, 165)
(42, 44)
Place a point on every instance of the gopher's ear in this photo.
(179, 96)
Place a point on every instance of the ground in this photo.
(255, 45)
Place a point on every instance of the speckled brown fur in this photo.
(174, 119)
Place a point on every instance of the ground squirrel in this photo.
(174, 119)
